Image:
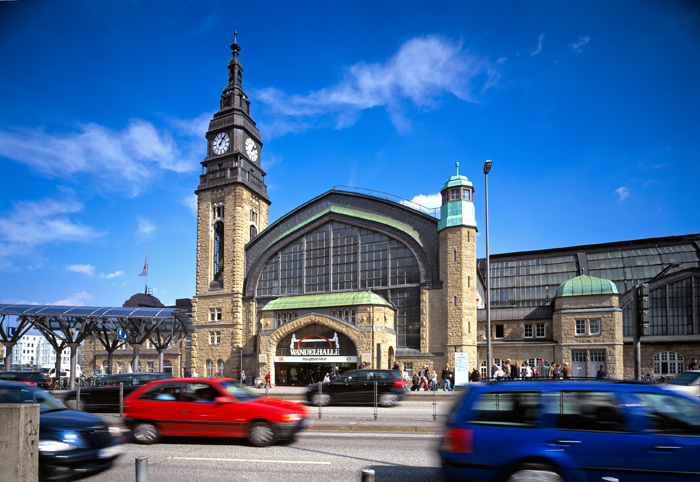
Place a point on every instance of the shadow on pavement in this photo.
(389, 473)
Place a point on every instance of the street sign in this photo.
(121, 334)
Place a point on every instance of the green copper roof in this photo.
(326, 300)
(586, 285)
(357, 214)
(456, 180)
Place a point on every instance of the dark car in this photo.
(217, 407)
(571, 431)
(70, 443)
(104, 395)
(357, 386)
(40, 379)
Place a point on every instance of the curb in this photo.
(373, 429)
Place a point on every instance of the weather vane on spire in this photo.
(234, 36)
(457, 166)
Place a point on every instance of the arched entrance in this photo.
(305, 356)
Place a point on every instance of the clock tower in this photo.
(232, 208)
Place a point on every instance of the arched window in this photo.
(668, 363)
(218, 250)
(210, 368)
(220, 368)
(340, 257)
(253, 231)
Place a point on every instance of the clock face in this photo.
(252, 149)
(221, 143)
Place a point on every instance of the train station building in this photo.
(351, 276)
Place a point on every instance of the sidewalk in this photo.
(298, 394)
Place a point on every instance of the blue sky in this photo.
(588, 110)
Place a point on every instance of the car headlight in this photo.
(55, 446)
(291, 417)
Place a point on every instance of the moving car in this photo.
(688, 382)
(571, 431)
(40, 379)
(104, 395)
(70, 443)
(357, 386)
(217, 407)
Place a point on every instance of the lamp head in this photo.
(487, 167)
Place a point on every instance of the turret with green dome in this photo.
(585, 285)
(457, 207)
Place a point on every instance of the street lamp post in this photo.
(489, 358)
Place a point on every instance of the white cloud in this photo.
(430, 201)
(423, 70)
(116, 274)
(76, 299)
(128, 159)
(539, 46)
(87, 269)
(146, 228)
(578, 46)
(622, 193)
(190, 202)
(34, 223)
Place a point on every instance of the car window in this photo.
(509, 408)
(167, 392)
(669, 414)
(597, 411)
(241, 392)
(199, 392)
(687, 378)
(353, 376)
(28, 394)
(378, 376)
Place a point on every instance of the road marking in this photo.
(266, 461)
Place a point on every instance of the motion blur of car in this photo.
(105, 394)
(688, 382)
(217, 407)
(357, 387)
(571, 431)
(38, 378)
(70, 443)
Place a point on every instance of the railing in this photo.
(435, 212)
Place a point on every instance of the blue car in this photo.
(71, 444)
(572, 431)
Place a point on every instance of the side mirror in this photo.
(222, 400)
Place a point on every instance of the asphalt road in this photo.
(314, 456)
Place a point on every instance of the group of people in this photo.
(427, 379)
(517, 371)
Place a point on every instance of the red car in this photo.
(216, 407)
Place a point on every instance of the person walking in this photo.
(694, 364)
(396, 366)
(268, 381)
(601, 372)
(416, 382)
(334, 373)
(194, 373)
(566, 371)
(475, 376)
(243, 377)
(446, 376)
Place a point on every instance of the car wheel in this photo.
(388, 399)
(73, 405)
(322, 399)
(261, 434)
(146, 433)
(535, 473)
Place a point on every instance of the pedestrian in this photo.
(446, 376)
(506, 369)
(268, 381)
(550, 372)
(694, 364)
(363, 365)
(327, 378)
(525, 371)
(396, 366)
(566, 371)
(433, 381)
(243, 378)
(334, 373)
(416, 381)
(194, 373)
(188, 373)
(497, 372)
(601, 372)
(517, 370)
(557, 371)
(475, 376)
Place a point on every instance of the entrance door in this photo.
(578, 364)
(597, 361)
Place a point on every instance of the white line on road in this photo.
(266, 461)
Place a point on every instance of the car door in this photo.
(669, 440)
(201, 415)
(159, 404)
(343, 388)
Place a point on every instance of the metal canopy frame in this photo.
(68, 326)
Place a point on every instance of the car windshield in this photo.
(29, 394)
(685, 379)
(241, 392)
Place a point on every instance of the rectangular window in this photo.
(527, 333)
(214, 314)
(539, 330)
(594, 327)
(149, 366)
(215, 338)
(506, 409)
(499, 330)
(580, 327)
(465, 194)
(454, 194)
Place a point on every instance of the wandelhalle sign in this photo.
(316, 348)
